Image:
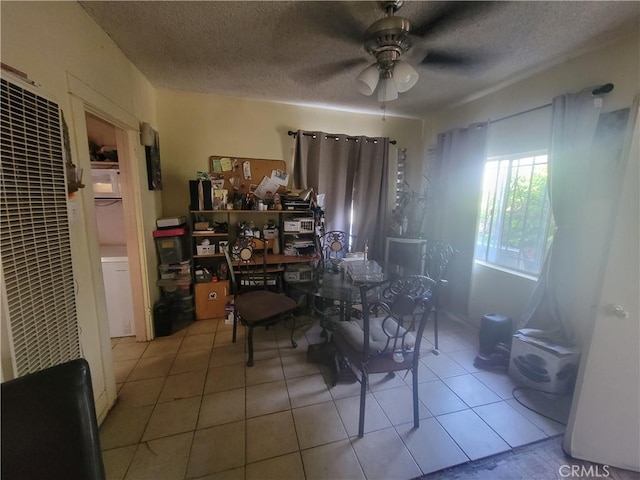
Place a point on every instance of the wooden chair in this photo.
(438, 256)
(254, 304)
(386, 337)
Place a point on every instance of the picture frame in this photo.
(152, 153)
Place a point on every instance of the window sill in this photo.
(506, 270)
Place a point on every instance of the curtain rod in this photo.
(293, 134)
(596, 92)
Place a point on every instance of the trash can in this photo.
(162, 318)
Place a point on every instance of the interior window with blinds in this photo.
(515, 221)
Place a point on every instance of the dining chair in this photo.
(386, 336)
(333, 247)
(437, 258)
(254, 305)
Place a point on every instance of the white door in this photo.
(604, 425)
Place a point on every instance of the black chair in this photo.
(49, 426)
(254, 304)
(385, 337)
(333, 248)
(438, 256)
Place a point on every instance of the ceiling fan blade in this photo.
(450, 14)
(466, 61)
(323, 72)
(333, 19)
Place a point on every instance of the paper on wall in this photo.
(226, 165)
(280, 177)
(266, 186)
(246, 170)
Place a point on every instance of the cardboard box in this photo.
(543, 365)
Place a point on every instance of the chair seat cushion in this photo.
(353, 333)
(260, 305)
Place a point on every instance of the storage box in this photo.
(175, 271)
(175, 289)
(299, 225)
(543, 365)
(298, 274)
(205, 249)
(171, 222)
(172, 245)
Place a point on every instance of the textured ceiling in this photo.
(310, 52)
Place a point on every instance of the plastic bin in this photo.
(175, 271)
(162, 319)
(172, 245)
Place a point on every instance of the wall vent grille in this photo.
(35, 245)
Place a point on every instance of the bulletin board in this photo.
(231, 169)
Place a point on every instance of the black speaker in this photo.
(494, 329)
(162, 319)
(195, 201)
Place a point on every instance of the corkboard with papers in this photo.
(246, 175)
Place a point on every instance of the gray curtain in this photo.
(349, 171)
(457, 188)
(583, 179)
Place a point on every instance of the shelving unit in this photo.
(211, 297)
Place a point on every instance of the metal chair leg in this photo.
(293, 329)
(363, 396)
(435, 349)
(250, 343)
(416, 413)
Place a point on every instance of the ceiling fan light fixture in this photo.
(367, 81)
(387, 89)
(405, 76)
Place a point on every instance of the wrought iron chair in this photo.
(254, 304)
(385, 336)
(334, 246)
(438, 256)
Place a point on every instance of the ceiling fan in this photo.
(396, 44)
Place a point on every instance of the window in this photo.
(515, 215)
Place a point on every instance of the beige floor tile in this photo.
(374, 417)
(225, 339)
(225, 378)
(217, 449)
(116, 461)
(341, 390)
(284, 344)
(233, 474)
(332, 461)
(270, 436)
(162, 346)
(466, 359)
(285, 467)
(122, 369)
(547, 425)
(173, 417)
(128, 351)
(471, 390)
(318, 424)
(439, 398)
(264, 371)
(222, 325)
(383, 455)
(266, 398)
(443, 365)
(499, 382)
(114, 341)
(129, 339)
(124, 427)
(308, 390)
(164, 458)
(297, 365)
(228, 355)
(139, 393)
(222, 407)
(202, 341)
(202, 326)
(191, 362)
(183, 385)
(431, 446)
(514, 428)
(383, 381)
(152, 367)
(472, 434)
(397, 404)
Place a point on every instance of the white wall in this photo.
(618, 63)
(194, 126)
(57, 45)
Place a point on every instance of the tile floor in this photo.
(189, 408)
